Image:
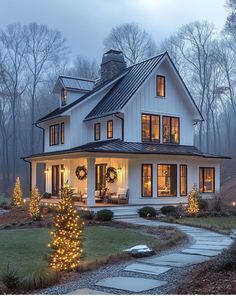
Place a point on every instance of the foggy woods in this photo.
(32, 56)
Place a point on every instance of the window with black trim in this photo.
(97, 131)
(146, 180)
(62, 133)
(63, 97)
(54, 134)
(183, 180)
(206, 180)
(170, 128)
(160, 86)
(150, 128)
(166, 180)
(109, 129)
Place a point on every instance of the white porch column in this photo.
(91, 181)
(33, 174)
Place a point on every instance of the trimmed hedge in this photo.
(104, 215)
(147, 212)
(168, 209)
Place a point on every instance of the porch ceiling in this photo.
(120, 149)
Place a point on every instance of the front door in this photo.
(100, 177)
(55, 180)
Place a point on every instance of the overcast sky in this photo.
(85, 23)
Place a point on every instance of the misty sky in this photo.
(85, 23)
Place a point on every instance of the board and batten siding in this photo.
(175, 103)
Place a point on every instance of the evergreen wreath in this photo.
(81, 172)
(111, 175)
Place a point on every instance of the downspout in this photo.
(122, 125)
(42, 130)
(27, 161)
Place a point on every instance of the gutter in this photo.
(122, 125)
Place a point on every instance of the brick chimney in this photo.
(112, 63)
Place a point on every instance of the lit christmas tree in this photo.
(193, 204)
(67, 236)
(34, 209)
(17, 195)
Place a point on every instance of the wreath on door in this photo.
(81, 172)
(111, 175)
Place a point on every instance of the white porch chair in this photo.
(122, 196)
(85, 195)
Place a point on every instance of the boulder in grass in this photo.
(233, 234)
(140, 251)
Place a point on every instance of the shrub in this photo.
(5, 206)
(168, 209)
(147, 212)
(10, 278)
(227, 259)
(217, 202)
(46, 195)
(86, 214)
(203, 204)
(39, 280)
(104, 215)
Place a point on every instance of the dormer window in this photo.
(97, 131)
(63, 97)
(160, 86)
(109, 129)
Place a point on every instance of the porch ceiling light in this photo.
(46, 171)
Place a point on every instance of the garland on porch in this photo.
(81, 172)
(111, 175)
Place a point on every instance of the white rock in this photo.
(233, 234)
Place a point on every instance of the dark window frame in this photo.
(175, 117)
(186, 182)
(142, 187)
(62, 133)
(95, 134)
(52, 140)
(170, 164)
(110, 121)
(214, 180)
(150, 128)
(63, 97)
(161, 76)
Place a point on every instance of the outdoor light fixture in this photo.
(46, 171)
(119, 170)
(62, 170)
(234, 203)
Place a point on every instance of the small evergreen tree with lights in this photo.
(17, 195)
(193, 201)
(67, 237)
(34, 209)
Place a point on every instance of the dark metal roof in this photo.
(119, 146)
(121, 93)
(77, 83)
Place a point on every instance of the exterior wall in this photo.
(72, 96)
(145, 100)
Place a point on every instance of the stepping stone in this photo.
(87, 291)
(207, 247)
(213, 243)
(146, 268)
(130, 284)
(209, 253)
(175, 260)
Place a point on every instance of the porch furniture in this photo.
(122, 196)
(76, 196)
(97, 196)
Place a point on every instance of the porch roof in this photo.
(119, 146)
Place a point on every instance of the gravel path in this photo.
(173, 276)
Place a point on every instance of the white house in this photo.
(136, 124)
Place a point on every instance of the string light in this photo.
(17, 196)
(193, 204)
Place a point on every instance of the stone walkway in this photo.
(205, 244)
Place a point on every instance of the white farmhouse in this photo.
(127, 138)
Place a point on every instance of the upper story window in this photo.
(150, 128)
(55, 136)
(63, 96)
(109, 129)
(160, 86)
(170, 130)
(206, 180)
(97, 131)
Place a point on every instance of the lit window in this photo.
(166, 180)
(207, 180)
(147, 180)
(63, 97)
(160, 86)
(150, 128)
(97, 131)
(170, 130)
(54, 134)
(183, 180)
(62, 133)
(110, 129)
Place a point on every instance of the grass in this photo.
(224, 224)
(24, 249)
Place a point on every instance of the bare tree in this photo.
(85, 68)
(135, 43)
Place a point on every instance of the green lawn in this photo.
(217, 223)
(24, 249)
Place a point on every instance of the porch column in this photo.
(91, 181)
(33, 174)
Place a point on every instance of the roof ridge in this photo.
(77, 78)
(147, 59)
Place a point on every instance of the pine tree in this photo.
(193, 201)
(67, 237)
(17, 195)
(34, 209)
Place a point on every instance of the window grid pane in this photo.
(183, 180)
(155, 128)
(207, 180)
(167, 180)
(110, 129)
(160, 86)
(97, 131)
(147, 180)
(146, 133)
